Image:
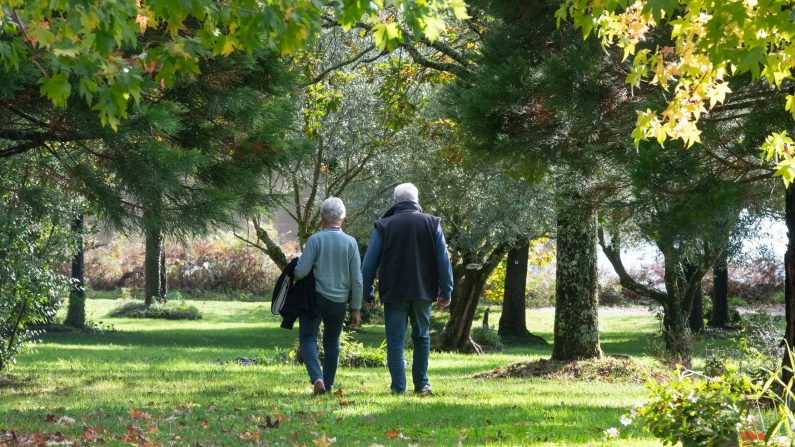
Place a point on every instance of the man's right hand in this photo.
(442, 302)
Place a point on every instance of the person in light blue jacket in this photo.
(333, 257)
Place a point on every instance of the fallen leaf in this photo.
(392, 433)
(324, 441)
(50, 418)
(66, 420)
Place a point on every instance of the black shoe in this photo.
(424, 391)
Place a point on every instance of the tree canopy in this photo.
(709, 43)
(94, 49)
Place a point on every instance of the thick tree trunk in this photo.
(469, 286)
(76, 312)
(513, 321)
(576, 299)
(696, 320)
(720, 293)
(789, 283)
(154, 245)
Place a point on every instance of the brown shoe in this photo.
(320, 387)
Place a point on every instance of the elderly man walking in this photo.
(333, 257)
(409, 251)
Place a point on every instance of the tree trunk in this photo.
(163, 289)
(76, 312)
(469, 286)
(720, 293)
(696, 320)
(513, 321)
(154, 245)
(789, 283)
(576, 299)
(676, 331)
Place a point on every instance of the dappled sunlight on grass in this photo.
(159, 365)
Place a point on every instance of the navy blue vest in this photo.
(407, 270)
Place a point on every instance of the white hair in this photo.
(332, 209)
(406, 192)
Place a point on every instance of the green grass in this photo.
(170, 371)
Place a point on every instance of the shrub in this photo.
(33, 236)
(697, 410)
(486, 337)
(168, 311)
(221, 265)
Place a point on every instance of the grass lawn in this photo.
(161, 381)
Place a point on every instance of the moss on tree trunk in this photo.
(576, 299)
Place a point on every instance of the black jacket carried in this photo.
(407, 268)
(300, 299)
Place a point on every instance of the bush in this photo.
(33, 236)
(221, 265)
(487, 337)
(168, 311)
(353, 353)
(697, 410)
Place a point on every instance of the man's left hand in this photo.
(356, 317)
(442, 302)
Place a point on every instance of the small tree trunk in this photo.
(154, 244)
(676, 331)
(789, 283)
(513, 321)
(161, 296)
(696, 320)
(576, 299)
(466, 295)
(720, 293)
(76, 312)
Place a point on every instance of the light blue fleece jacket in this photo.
(333, 257)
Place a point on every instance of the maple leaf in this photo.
(392, 433)
(324, 441)
(142, 21)
(50, 419)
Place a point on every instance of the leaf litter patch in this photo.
(606, 369)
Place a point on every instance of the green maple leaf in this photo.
(57, 89)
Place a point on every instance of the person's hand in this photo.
(442, 302)
(356, 317)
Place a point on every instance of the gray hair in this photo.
(406, 192)
(332, 209)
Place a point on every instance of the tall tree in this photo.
(513, 319)
(708, 50)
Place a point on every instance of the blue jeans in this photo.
(396, 316)
(333, 316)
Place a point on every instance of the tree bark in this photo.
(676, 331)
(696, 320)
(154, 245)
(513, 321)
(576, 299)
(76, 312)
(163, 289)
(789, 284)
(469, 285)
(720, 293)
